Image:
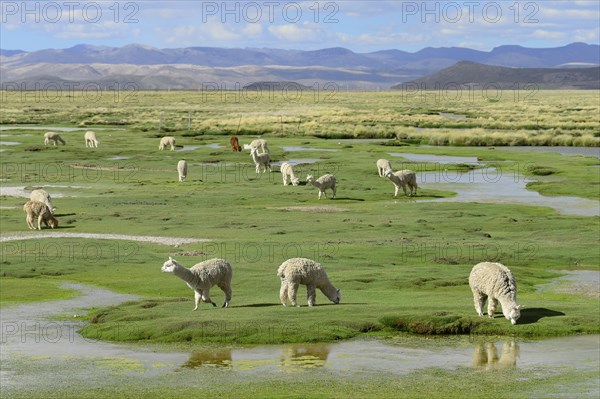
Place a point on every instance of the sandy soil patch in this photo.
(173, 241)
(575, 282)
(312, 208)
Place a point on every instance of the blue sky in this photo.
(361, 26)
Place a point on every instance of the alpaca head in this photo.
(310, 178)
(169, 266)
(337, 298)
(295, 181)
(52, 222)
(514, 314)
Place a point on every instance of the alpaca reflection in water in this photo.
(485, 356)
(295, 357)
(217, 359)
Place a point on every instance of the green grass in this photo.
(402, 266)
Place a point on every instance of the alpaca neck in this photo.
(507, 302)
(183, 273)
(329, 291)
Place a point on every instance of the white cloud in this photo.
(293, 32)
(547, 34)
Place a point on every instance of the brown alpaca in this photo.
(40, 210)
(235, 144)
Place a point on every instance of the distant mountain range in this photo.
(198, 67)
(471, 74)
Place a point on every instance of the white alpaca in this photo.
(202, 276)
(54, 138)
(287, 171)
(258, 143)
(495, 283)
(41, 195)
(39, 210)
(403, 178)
(322, 183)
(90, 139)
(165, 141)
(182, 169)
(296, 271)
(383, 165)
(263, 160)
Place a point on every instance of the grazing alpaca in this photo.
(54, 137)
(235, 144)
(263, 160)
(39, 210)
(258, 143)
(42, 196)
(383, 165)
(322, 183)
(165, 141)
(403, 178)
(495, 283)
(182, 169)
(296, 271)
(202, 276)
(288, 172)
(90, 139)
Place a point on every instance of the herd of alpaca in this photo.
(401, 179)
(491, 282)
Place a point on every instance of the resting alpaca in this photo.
(42, 196)
(182, 169)
(39, 210)
(322, 183)
(54, 137)
(258, 143)
(263, 160)
(495, 283)
(235, 144)
(383, 165)
(296, 271)
(90, 139)
(288, 171)
(403, 178)
(202, 276)
(165, 141)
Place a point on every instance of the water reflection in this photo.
(485, 356)
(217, 359)
(295, 357)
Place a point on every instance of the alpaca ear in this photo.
(338, 290)
(170, 259)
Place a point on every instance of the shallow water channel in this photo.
(42, 353)
(492, 185)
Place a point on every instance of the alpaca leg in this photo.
(283, 293)
(311, 294)
(227, 290)
(197, 297)
(29, 220)
(206, 297)
(405, 191)
(40, 218)
(396, 191)
(492, 303)
(334, 188)
(292, 291)
(479, 300)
